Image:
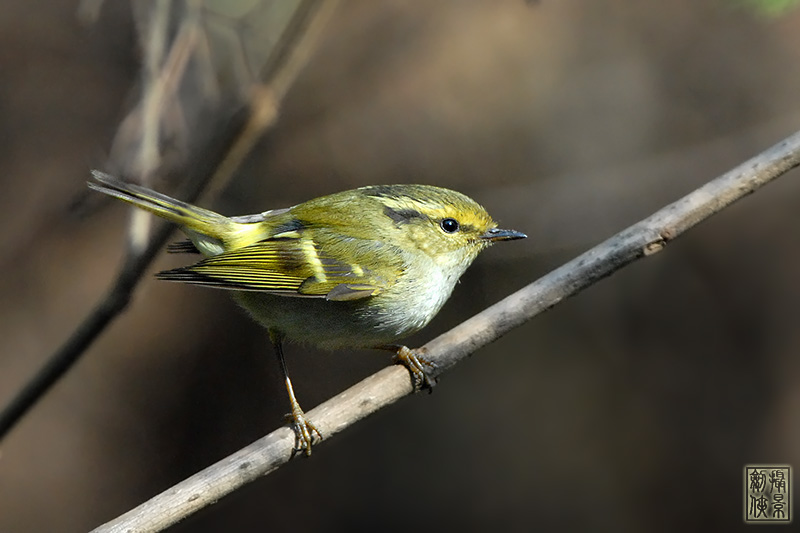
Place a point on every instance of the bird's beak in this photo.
(497, 234)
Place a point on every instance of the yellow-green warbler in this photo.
(355, 269)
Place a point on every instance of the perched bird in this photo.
(356, 269)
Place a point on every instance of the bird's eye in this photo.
(449, 225)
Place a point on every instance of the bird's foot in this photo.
(305, 433)
(419, 367)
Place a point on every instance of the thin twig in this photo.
(290, 56)
(218, 169)
(291, 53)
(390, 384)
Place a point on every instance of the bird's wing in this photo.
(289, 267)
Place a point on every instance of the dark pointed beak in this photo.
(497, 234)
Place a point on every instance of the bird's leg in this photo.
(304, 430)
(416, 365)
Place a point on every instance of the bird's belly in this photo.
(365, 323)
(333, 325)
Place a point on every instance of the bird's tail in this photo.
(189, 217)
(210, 232)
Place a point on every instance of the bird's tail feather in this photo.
(192, 218)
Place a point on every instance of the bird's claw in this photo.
(416, 364)
(304, 432)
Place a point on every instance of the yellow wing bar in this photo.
(289, 267)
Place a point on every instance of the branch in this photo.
(215, 169)
(387, 386)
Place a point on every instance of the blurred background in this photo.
(631, 407)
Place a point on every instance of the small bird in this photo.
(355, 269)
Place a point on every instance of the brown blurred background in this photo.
(632, 407)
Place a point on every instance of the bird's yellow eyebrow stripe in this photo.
(399, 204)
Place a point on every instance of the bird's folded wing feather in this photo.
(289, 267)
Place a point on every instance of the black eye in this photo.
(449, 225)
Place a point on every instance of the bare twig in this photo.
(296, 43)
(290, 56)
(390, 384)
